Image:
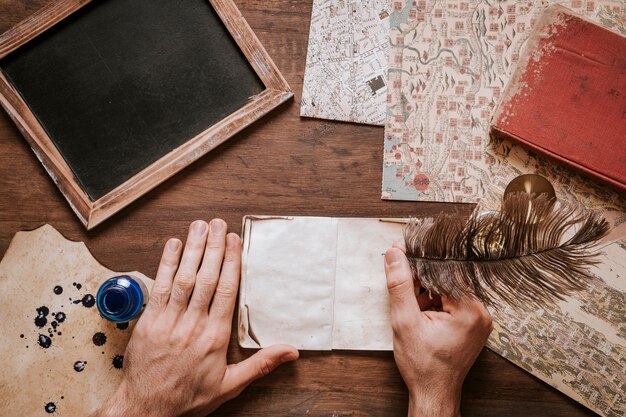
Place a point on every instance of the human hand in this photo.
(175, 361)
(434, 350)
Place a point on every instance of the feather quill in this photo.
(531, 251)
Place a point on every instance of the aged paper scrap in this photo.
(346, 67)
(61, 357)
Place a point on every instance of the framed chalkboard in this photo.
(117, 96)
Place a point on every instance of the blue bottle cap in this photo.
(121, 298)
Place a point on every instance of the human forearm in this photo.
(123, 404)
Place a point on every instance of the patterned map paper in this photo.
(448, 66)
(579, 346)
(346, 68)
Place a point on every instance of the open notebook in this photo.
(316, 283)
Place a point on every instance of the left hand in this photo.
(175, 361)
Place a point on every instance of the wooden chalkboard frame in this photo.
(92, 213)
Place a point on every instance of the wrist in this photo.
(123, 404)
(439, 404)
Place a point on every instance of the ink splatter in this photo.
(50, 408)
(22, 336)
(58, 290)
(79, 366)
(122, 326)
(99, 339)
(77, 285)
(118, 361)
(88, 301)
(60, 317)
(44, 341)
(41, 320)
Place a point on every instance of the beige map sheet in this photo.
(346, 67)
(60, 357)
(449, 63)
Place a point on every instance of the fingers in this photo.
(449, 305)
(223, 305)
(399, 245)
(405, 312)
(239, 376)
(209, 273)
(470, 311)
(160, 293)
(185, 278)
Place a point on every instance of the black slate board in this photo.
(121, 83)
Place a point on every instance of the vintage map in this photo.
(579, 347)
(448, 66)
(346, 67)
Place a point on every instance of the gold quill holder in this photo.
(519, 254)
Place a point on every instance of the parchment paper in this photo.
(47, 280)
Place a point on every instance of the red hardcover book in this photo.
(567, 96)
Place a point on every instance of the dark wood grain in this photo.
(280, 165)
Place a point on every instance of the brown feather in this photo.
(519, 254)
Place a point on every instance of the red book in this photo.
(567, 96)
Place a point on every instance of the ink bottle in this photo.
(121, 298)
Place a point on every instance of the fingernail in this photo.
(231, 239)
(216, 226)
(288, 357)
(199, 227)
(173, 245)
(392, 257)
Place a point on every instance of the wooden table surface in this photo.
(282, 164)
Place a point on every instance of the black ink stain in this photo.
(118, 361)
(44, 341)
(41, 319)
(88, 301)
(60, 317)
(122, 326)
(50, 408)
(58, 290)
(77, 285)
(22, 336)
(79, 366)
(99, 339)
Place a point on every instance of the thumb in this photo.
(404, 308)
(240, 375)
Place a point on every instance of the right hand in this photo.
(434, 350)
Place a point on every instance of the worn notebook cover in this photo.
(567, 97)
